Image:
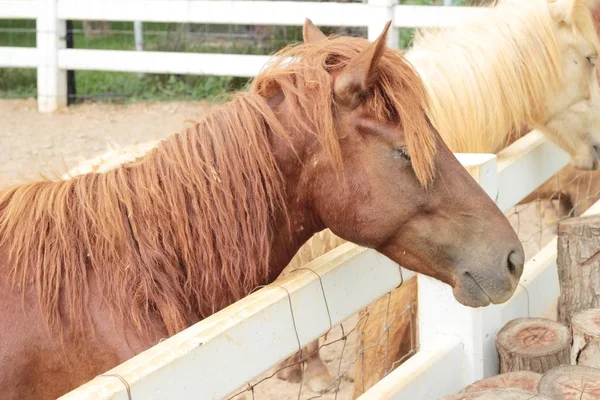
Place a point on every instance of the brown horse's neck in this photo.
(300, 222)
(289, 237)
(185, 231)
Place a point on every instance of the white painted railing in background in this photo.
(50, 39)
(243, 12)
(18, 57)
(18, 9)
(162, 62)
(433, 16)
(53, 59)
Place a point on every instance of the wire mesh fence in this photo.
(348, 359)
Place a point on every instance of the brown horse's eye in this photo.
(401, 153)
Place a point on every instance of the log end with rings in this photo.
(533, 344)
(523, 380)
(498, 394)
(568, 382)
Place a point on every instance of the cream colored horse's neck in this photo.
(491, 77)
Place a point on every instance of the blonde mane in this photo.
(507, 61)
(187, 228)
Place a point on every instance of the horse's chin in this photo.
(471, 299)
(469, 293)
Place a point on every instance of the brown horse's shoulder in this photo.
(36, 365)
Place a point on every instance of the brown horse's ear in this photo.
(311, 33)
(361, 72)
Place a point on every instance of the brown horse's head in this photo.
(375, 171)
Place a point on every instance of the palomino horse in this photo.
(575, 190)
(522, 64)
(334, 134)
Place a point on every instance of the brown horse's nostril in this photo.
(515, 264)
(511, 267)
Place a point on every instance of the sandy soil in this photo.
(32, 143)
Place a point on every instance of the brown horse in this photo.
(334, 134)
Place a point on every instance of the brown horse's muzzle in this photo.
(477, 288)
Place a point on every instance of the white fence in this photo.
(52, 59)
(223, 352)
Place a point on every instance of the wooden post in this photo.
(524, 380)
(51, 80)
(439, 312)
(381, 11)
(138, 32)
(571, 382)
(585, 329)
(533, 344)
(71, 83)
(388, 335)
(498, 394)
(578, 266)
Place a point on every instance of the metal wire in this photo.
(123, 380)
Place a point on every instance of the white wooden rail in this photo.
(223, 352)
(18, 9)
(18, 57)
(52, 59)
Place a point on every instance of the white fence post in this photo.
(440, 315)
(382, 11)
(138, 32)
(51, 81)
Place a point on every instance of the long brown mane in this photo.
(187, 229)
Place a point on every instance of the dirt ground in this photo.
(32, 143)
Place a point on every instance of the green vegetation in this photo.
(129, 87)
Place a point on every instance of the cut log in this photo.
(571, 382)
(524, 380)
(585, 329)
(533, 344)
(578, 266)
(497, 394)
